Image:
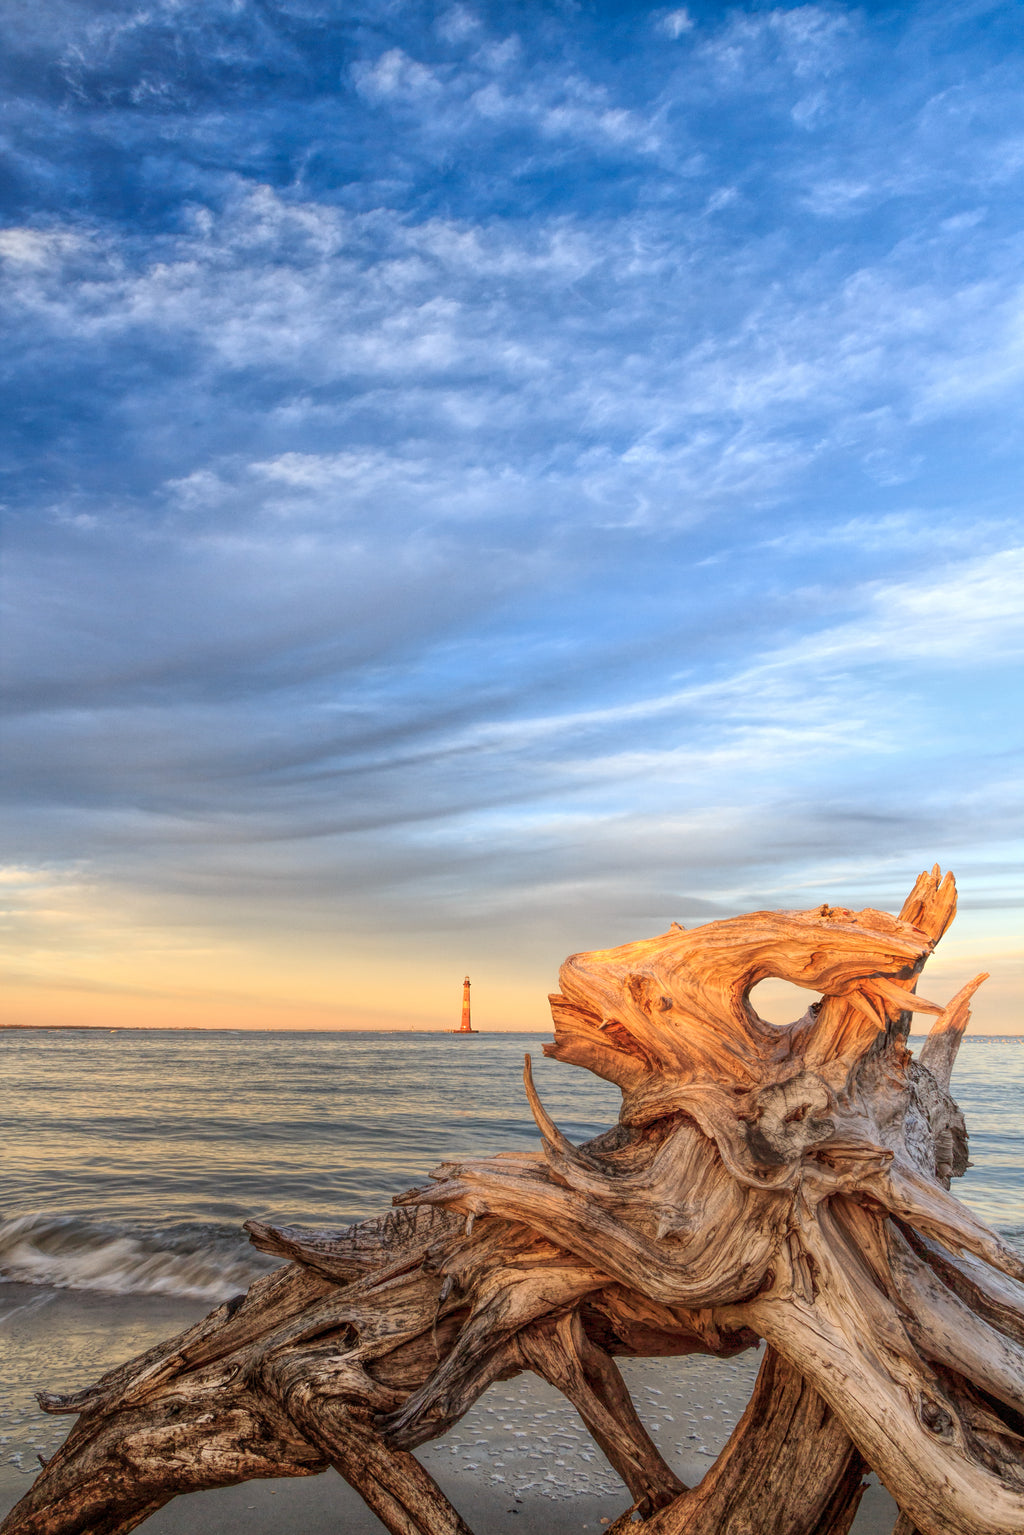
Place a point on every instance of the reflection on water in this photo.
(150, 1128)
(167, 1130)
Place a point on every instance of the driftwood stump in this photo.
(787, 1184)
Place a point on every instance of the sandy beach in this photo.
(520, 1460)
(325, 1505)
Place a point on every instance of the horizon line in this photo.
(195, 1028)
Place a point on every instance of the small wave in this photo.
(68, 1253)
(1013, 1236)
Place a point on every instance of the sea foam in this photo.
(69, 1253)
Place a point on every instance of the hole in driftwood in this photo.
(780, 1002)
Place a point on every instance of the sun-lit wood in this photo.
(787, 1184)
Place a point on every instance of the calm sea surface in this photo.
(130, 1160)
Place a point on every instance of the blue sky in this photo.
(487, 481)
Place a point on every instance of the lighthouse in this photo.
(465, 1027)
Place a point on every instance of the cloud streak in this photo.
(501, 481)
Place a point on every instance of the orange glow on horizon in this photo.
(105, 958)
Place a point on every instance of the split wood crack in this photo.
(785, 1184)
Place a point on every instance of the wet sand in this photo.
(520, 1460)
(325, 1505)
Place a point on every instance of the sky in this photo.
(486, 481)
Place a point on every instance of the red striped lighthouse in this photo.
(465, 1027)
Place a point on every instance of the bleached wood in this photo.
(786, 1184)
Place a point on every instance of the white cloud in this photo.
(676, 23)
(973, 611)
(800, 701)
(453, 326)
(457, 23)
(38, 248)
(841, 199)
(568, 108)
(970, 612)
(808, 40)
(201, 489)
(530, 484)
(395, 76)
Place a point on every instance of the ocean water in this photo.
(131, 1159)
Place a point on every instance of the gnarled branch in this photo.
(786, 1184)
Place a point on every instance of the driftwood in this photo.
(786, 1184)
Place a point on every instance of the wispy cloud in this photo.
(483, 474)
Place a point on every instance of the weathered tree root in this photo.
(786, 1184)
